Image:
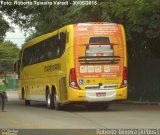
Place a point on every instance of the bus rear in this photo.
(99, 69)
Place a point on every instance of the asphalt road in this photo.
(37, 116)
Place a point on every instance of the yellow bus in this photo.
(78, 63)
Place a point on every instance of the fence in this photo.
(144, 80)
(12, 82)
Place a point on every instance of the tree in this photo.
(141, 19)
(4, 27)
(8, 55)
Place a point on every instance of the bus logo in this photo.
(81, 82)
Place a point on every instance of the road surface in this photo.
(37, 116)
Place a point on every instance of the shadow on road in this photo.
(77, 108)
(113, 107)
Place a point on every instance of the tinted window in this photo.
(62, 42)
(99, 40)
(51, 48)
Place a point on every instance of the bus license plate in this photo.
(101, 94)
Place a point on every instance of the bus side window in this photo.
(29, 56)
(62, 42)
(33, 56)
(37, 53)
(42, 52)
(57, 47)
(51, 48)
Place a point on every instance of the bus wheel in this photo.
(23, 94)
(27, 102)
(49, 100)
(57, 105)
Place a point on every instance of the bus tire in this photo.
(49, 100)
(57, 105)
(27, 102)
(23, 94)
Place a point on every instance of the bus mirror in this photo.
(17, 66)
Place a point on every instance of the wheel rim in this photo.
(48, 99)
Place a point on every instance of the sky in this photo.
(18, 36)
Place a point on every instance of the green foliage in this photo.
(141, 19)
(4, 27)
(8, 54)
